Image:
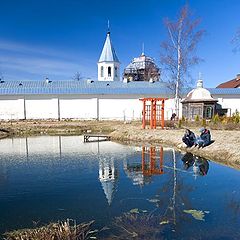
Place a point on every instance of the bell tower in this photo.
(108, 63)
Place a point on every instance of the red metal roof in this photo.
(234, 83)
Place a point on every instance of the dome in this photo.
(199, 94)
(142, 68)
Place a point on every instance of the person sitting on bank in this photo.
(173, 116)
(204, 139)
(189, 138)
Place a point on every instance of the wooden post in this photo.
(162, 114)
(154, 113)
(143, 159)
(152, 159)
(59, 113)
(151, 115)
(144, 115)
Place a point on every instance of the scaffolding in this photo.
(153, 112)
(142, 68)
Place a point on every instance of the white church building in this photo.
(107, 98)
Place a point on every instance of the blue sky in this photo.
(57, 38)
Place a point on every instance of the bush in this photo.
(204, 123)
(236, 117)
(196, 118)
(179, 123)
(216, 119)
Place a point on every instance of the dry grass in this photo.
(66, 230)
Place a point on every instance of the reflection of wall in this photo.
(60, 144)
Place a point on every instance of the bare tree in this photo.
(179, 50)
(78, 76)
(236, 41)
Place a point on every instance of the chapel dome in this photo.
(199, 94)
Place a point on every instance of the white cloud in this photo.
(20, 61)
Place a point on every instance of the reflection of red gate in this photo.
(153, 112)
(150, 165)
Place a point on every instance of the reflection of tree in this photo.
(170, 201)
(167, 220)
(3, 173)
(175, 197)
(139, 226)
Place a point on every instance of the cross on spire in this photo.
(108, 24)
(142, 48)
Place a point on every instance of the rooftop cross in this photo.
(108, 31)
(143, 49)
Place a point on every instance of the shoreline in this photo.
(224, 150)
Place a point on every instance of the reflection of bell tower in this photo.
(107, 177)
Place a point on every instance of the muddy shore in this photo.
(225, 149)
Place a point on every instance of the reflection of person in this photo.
(188, 160)
(203, 166)
(204, 139)
(189, 138)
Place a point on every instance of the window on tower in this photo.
(109, 71)
(101, 71)
(116, 73)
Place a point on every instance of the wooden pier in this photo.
(97, 137)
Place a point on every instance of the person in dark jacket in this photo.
(204, 139)
(189, 138)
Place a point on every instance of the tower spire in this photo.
(143, 49)
(108, 63)
(199, 81)
(108, 29)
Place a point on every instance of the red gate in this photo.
(153, 112)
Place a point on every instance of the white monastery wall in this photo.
(120, 109)
(102, 107)
(11, 108)
(39, 107)
(78, 108)
(232, 104)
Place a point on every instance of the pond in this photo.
(152, 191)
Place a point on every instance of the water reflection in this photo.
(108, 175)
(142, 189)
(141, 171)
(200, 166)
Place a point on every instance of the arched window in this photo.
(101, 71)
(115, 70)
(109, 71)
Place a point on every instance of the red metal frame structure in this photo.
(153, 112)
(150, 165)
